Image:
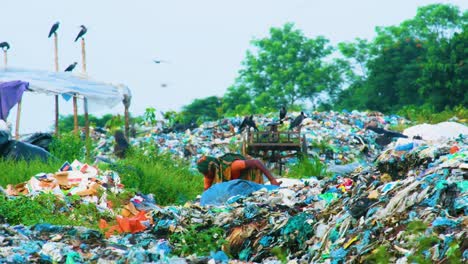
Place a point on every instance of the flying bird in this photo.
(282, 114)
(81, 33)
(71, 67)
(53, 29)
(4, 45)
(297, 121)
(160, 61)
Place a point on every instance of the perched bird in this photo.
(248, 122)
(4, 45)
(159, 61)
(71, 67)
(121, 144)
(243, 124)
(81, 33)
(251, 123)
(297, 121)
(282, 114)
(53, 29)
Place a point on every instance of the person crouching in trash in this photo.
(233, 166)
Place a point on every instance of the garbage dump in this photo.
(411, 204)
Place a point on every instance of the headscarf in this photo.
(207, 163)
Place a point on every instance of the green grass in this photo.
(307, 168)
(168, 178)
(48, 208)
(427, 114)
(12, 172)
(198, 240)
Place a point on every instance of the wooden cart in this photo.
(273, 145)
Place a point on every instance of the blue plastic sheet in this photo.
(441, 221)
(220, 257)
(219, 193)
(337, 256)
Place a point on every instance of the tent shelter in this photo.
(69, 85)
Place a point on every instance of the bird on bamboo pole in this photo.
(81, 33)
(53, 29)
(5, 46)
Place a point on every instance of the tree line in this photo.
(422, 62)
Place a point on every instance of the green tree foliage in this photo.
(201, 110)
(66, 123)
(421, 61)
(286, 68)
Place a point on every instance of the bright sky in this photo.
(204, 42)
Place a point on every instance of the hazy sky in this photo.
(204, 42)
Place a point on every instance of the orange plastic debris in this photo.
(454, 149)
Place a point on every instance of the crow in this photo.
(81, 33)
(297, 121)
(53, 29)
(282, 114)
(251, 123)
(121, 144)
(243, 124)
(71, 67)
(4, 46)
(248, 122)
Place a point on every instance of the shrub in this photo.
(307, 168)
(13, 172)
(68, 147)
(48, 208)
(168, 178)
(198, 240)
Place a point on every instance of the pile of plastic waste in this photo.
(335, 137)
(410, 205)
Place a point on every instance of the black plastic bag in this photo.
(17, 150)
(41, 140)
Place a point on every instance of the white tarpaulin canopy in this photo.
(67, 85)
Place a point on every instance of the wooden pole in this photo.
(85, 106)
(5, 59)
(18, 116)
(75, 114)
(56, 52)
(85, 100)
(56, 96)
(126, 102)
(83, 55)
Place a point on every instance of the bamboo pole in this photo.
(126, 102)
(56, 96)
(85, 100)
(85, 106)
(56, 52)
(75, 114)
(18, 116)
(5, 59)
(83, 55)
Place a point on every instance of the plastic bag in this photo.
(17, 150)
(41, 140)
